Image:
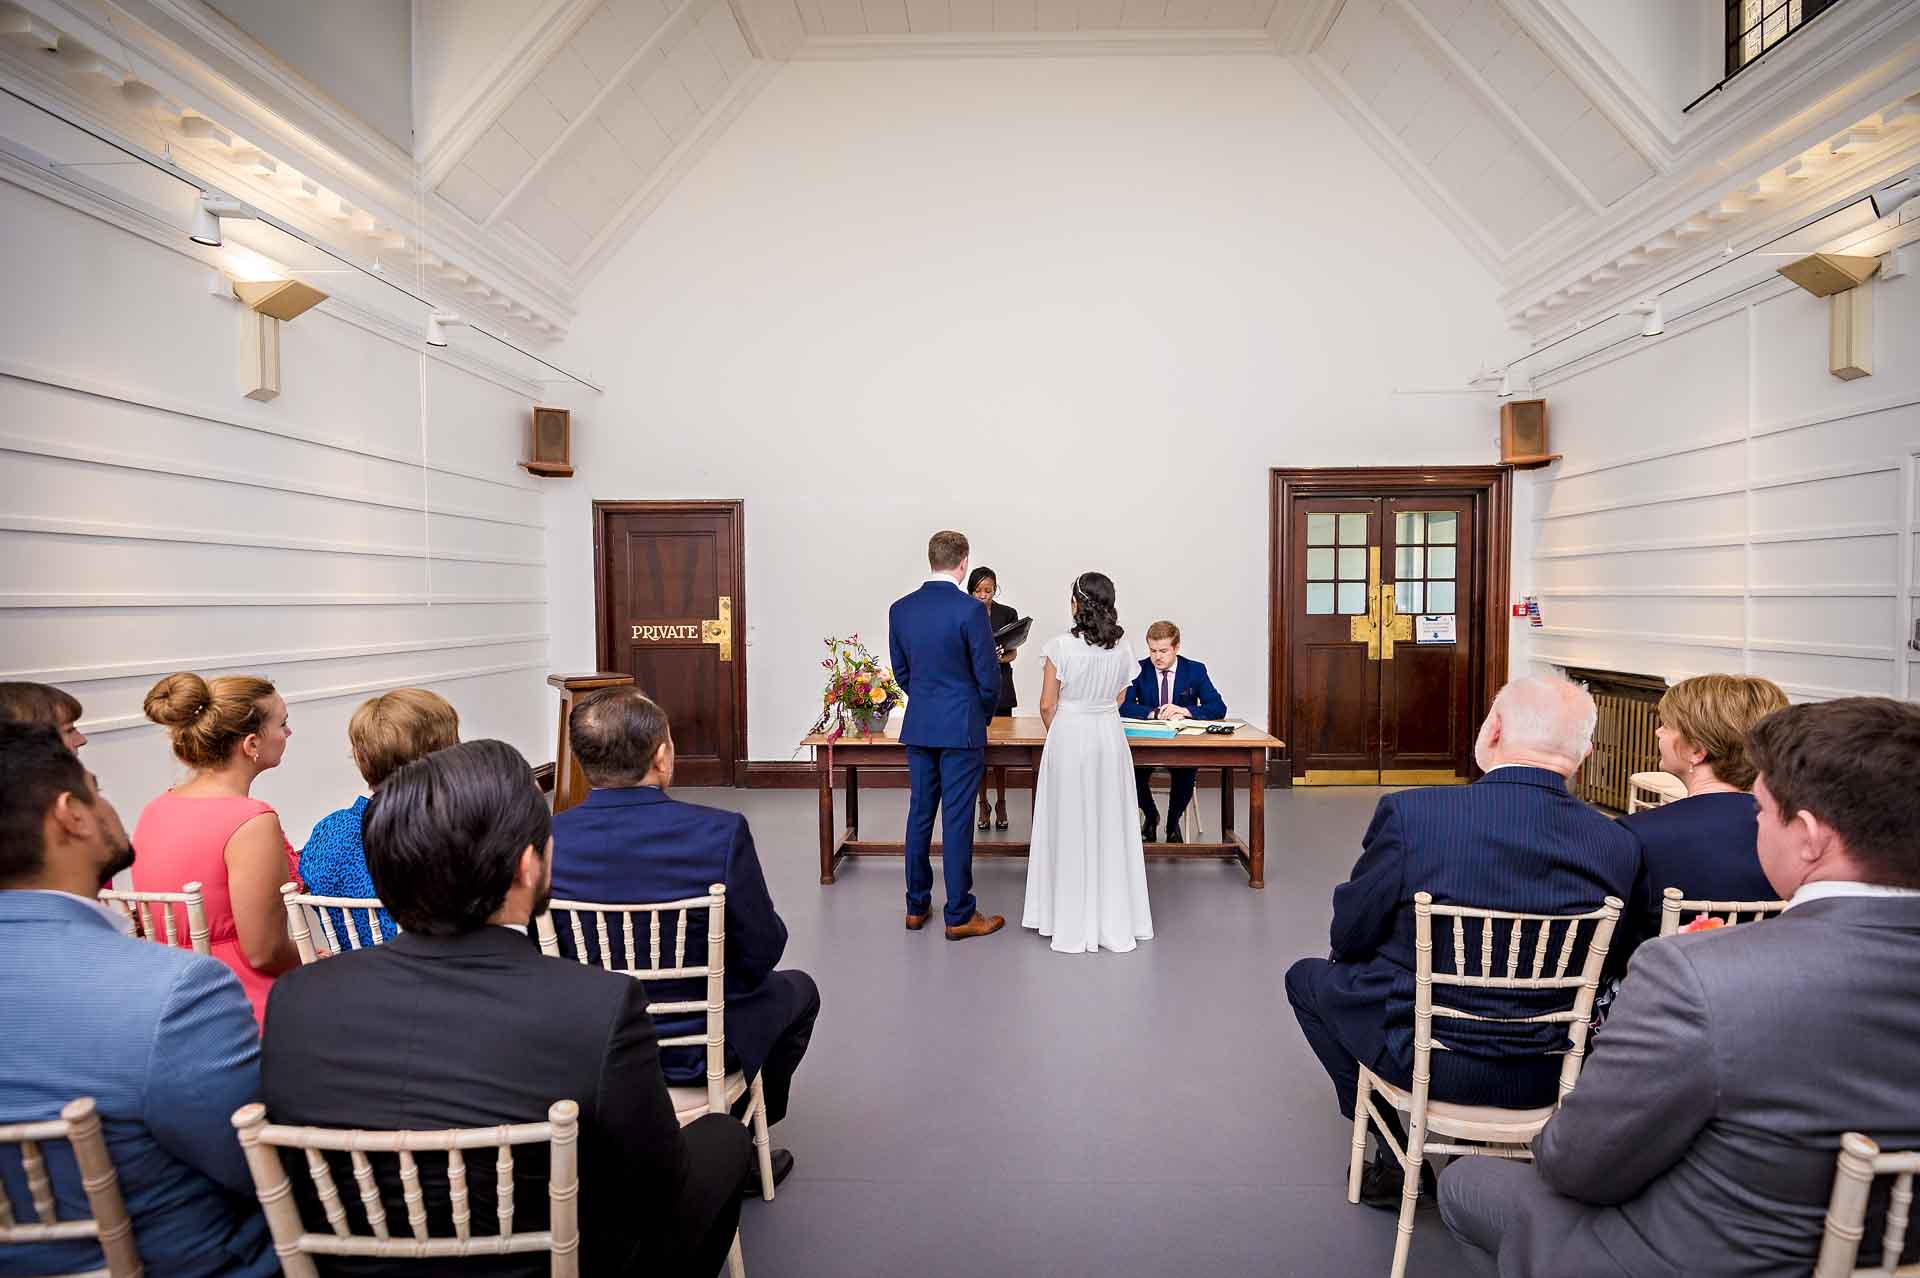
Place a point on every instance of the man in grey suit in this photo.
(1702, 1136)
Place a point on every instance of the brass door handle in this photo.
(1380, 626)
(720, 629)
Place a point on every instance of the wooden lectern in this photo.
(569, 783)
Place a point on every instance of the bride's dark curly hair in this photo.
(1098, 620)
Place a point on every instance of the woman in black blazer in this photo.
(984, 586)
(1703, 844)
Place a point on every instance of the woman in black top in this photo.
(983, 585)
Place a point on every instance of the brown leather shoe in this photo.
(916, 921)
(979, 925)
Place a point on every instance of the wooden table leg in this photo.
(823, 771)
(1226, 805)
(853, 802)
(1257, 818)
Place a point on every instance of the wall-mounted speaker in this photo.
(1523, 434)
(552, 444)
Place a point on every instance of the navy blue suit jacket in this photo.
(1706, 846)
(944, 660)
(1513, 840)
(638, 845)
(1191, 688)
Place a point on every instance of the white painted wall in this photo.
(1075, 308)
(366, 530)
(1726, 504)
(1673, 49)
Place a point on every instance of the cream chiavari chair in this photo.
(297, 1246)
(309, 915)
(108, 1222)
(153, 915)
(1534, 965)
(1674, 907)
(620, 938)
(1651, 789)
(1859, 1162)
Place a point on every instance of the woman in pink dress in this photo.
(228, 730)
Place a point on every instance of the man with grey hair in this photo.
(1514, 840)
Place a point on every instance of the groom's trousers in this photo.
(949, 780)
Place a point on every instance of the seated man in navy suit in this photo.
(1169, 686)
(1513, 840)
(627, 842)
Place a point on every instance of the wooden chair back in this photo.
(154, 915)
(108, 1223)
(614, 942)
(309, 915)
(1651, 789)
(1859, 1162)
(1541, 963)
(1674, 907)
(297, 1247)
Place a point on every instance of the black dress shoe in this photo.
(782, 1165)
(1382, 1182)
(1151, 834)
(1174, 835)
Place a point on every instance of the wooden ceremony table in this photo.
(1016, 742)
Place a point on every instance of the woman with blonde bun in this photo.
(228, 730)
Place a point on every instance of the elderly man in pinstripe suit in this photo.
(1514, 840)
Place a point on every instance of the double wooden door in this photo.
(671, 611)
(1383, 600)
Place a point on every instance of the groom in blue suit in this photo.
(1169, 686)
(945, 661)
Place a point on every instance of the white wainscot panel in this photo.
(1828, 503)
(52, 488)
(1689, 472)
(481, 497)
(458, 535)
(1669, 661)
(337, 376)
(1791, 380)
(1828, 561)
(461, 577)
(1805, 675)
(1706, 618)
(1641, 569)
(1827, 620)
(1865, 439)
(474, 424)
(60, 645)
(1706, 517)
(58, 563)
(76, 423)
(1671, 394)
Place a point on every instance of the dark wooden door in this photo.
(671, 611)
(1382, 639)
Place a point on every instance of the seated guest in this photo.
(1702, 1137)
(161, 1039)
(1702, 844)
(460, 1021)
(1513, 840)
(43, 703)
(629, 843)
(211, 830)
(1169, 686)
(387, 732)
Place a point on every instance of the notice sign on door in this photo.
(1434, 629)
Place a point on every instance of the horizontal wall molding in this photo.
(1863, 651)
(1640, 592)
(1819, 474)
(215, 537)
(1875, 652)
(1891, 403)
(1787, 480)
(1707, 445)
(1833, 532)
(270, 657)
(1594, 550)
(178, 406)
(1668, 498)
(135, 599)
(1830, 590)
(95, 727)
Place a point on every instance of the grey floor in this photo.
(990, 1107)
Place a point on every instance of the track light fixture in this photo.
(1655, 322)
(438, 322)
(1506, 384)
(207, 214)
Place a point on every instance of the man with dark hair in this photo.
(628, 843)
(43, 703)
(944, 659)
(162, 1039)
(460, 1021)
(1702, 1137)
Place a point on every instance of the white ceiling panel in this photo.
(567, 83)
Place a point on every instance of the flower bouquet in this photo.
(860, 692)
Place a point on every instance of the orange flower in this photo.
(1705, 923)
(878, 695)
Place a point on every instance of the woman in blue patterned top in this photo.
(386, 733)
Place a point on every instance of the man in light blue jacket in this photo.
(161, 1038)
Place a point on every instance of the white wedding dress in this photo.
(1087, 872)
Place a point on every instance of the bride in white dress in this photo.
(1087, 872)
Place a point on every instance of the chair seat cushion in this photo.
(1471, 1122)
(690, 1103)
